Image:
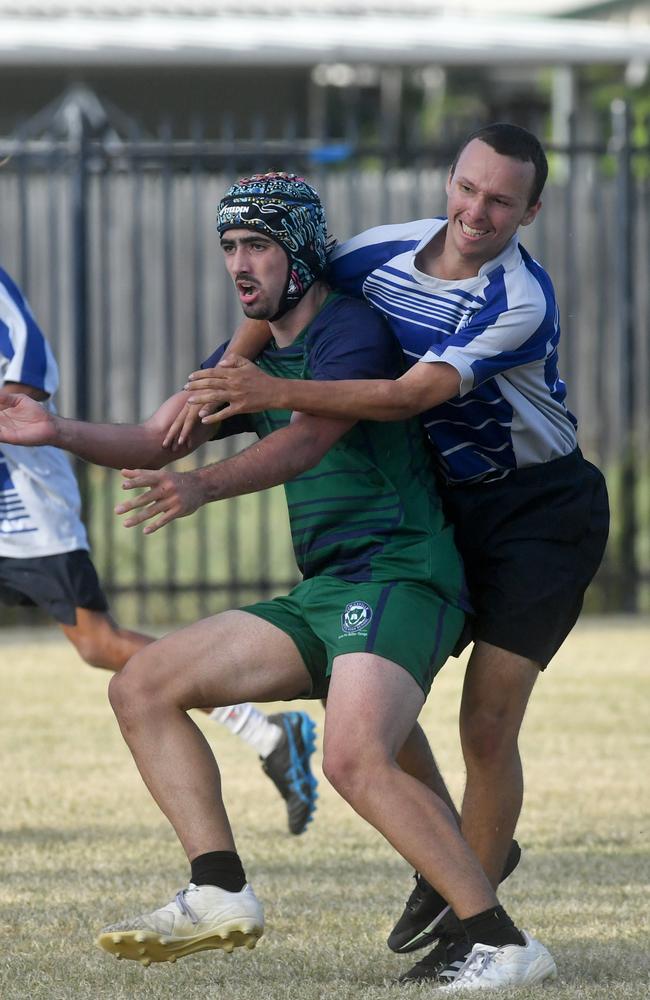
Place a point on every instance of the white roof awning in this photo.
(307, 40)
(293, 8)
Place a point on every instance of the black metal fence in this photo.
(111, 234)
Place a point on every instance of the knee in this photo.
(132, 690)
(91, 650)
(346, 769)
(96, 642)
(488, 736)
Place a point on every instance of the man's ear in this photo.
(448, 183)
(530, 214)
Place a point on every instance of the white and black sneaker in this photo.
(425, 908)
(490, 968)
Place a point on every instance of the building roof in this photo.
(306, 32)
(257, 8)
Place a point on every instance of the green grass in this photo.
(81, 844)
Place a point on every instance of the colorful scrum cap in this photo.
(288, 210)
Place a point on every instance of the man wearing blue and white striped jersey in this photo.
(479, 327)
(31, 480)
(43, 543)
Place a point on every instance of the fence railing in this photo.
(112, 237)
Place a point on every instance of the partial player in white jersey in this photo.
(44, 561)
(478, 323)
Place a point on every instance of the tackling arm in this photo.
(247, 390)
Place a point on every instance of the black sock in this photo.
(493, 927)
(221, 868)
(451, 927)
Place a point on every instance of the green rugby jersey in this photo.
(369, 511)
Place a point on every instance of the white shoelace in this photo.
(476, 964)
(184, 907)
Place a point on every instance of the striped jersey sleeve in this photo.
(25, 355)
(350, 263)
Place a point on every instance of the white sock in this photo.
(251, 724)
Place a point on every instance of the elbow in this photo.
(407, 410)
(404, 408)
(149, 458)
(307, 457)
(305, 462)
(162, 457)
(397, 402)
(157, 458)
(410, 400)
(154, 456)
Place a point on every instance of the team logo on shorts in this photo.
(356, 617)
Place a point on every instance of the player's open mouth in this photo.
(472, 233)
(247, 291)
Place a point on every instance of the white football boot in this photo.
(490, 968)
(198, 918)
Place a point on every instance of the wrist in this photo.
(57, 435)
(205, 484)
(286, 393)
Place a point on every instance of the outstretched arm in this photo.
(23, 421)
(276, 459)
(245, 389)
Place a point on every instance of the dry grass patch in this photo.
(81, 844)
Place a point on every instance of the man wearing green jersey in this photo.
(379, 609)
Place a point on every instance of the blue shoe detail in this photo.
(288, 766)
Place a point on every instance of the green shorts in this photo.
(406, 622)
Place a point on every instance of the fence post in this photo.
(78, 126)
(622, 147)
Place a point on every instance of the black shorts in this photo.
(531, 544)
(57, 584)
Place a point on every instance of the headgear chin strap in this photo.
(288, 210)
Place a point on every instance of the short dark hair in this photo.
(514, 141)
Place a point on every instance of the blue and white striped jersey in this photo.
(499, 330)
(39, 497)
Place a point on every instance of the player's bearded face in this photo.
(259, 268)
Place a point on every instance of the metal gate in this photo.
(111, 234)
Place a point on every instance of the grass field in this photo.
(81, 845)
